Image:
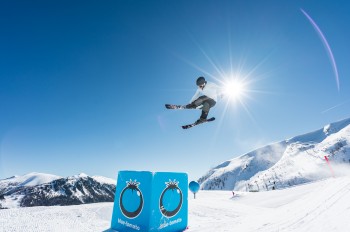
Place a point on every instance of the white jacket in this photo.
(210, 90)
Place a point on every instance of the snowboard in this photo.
(181, 107)
(175, 107)
(195, 124)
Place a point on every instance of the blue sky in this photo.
(83, 84)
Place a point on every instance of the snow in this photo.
(11, 201)
(104, 180)
(30, 179)
(89, 217)
(318, 206)
(81, 175)
(15, 182)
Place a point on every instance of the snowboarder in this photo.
(205, 98)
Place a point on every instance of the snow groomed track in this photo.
(313, 207)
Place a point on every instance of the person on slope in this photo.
(205, 97)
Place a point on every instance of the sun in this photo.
(234, 89)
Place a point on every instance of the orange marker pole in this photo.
(329, 165)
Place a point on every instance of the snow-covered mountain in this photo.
(105, 180)
(38, 189)
(290, 162)
(31, 179)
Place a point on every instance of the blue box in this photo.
(147, 201)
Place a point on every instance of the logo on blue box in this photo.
(131, 200)
(170, 201)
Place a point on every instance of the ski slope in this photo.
(320, 206)
(312, 207)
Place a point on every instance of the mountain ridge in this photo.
(72, 190)
(293, 161)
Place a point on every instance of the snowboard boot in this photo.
(201, 120)
(203, 117)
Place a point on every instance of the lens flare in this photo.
(326, 45)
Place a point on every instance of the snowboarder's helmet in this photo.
(200, 81)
